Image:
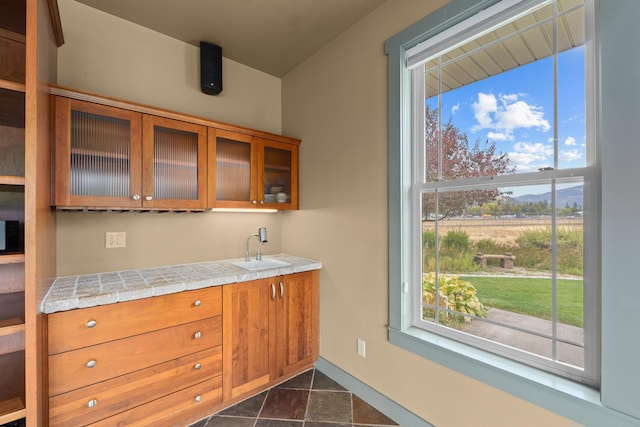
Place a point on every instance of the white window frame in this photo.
(479, 24)
(558, 394)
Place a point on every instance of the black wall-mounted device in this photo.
(210, 68)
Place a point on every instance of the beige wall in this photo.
(112, 57)
(337, 103)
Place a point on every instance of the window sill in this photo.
(569, 399)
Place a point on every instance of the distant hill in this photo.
(565, 196)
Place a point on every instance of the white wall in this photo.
(337, 103)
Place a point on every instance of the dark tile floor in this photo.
(309, 400)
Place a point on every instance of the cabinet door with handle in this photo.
(249, 340)
(278, 175)
(97, 155)
(297, 330)
(233, 175)
(174, 163)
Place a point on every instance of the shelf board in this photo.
(12, 180)
(11, 326)
(9, 85)
(11, 258)
(12, 410)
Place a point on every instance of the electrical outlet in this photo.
(115, 239)
(362, 348)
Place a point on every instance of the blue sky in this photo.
(515, 110)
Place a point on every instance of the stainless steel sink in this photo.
(262, 264)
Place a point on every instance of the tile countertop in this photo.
(90, 290)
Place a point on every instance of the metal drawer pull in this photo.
(136, 197)
(91, 363)
(198, 398)
(198, 303)
(197, 335)
(197, 366)
(148, 198)
(273, 292)
(281, 290)
(92, 403)
(91, 323)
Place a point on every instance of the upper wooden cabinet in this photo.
(112, 154)
(113, 157)
(174, 164)
(247, 171)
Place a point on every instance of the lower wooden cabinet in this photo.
(271, 330)
(164, 360)
(99, 401)
(140, 364)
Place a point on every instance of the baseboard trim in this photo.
(373, 397)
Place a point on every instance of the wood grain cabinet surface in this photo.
(169, 360)
(113, 363)
(114, 157)
(271, 331)
(113, 154)
(246, 171)
(27, 65)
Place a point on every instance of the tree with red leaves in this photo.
(459, 160)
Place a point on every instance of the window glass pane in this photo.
(504, 265)
(495, 99)
(571, 109)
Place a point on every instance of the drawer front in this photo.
(169, 410)
(79, 368)
(105, 399)
(70, 330)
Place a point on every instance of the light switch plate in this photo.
(115, 239)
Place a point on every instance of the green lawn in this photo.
(531, 296)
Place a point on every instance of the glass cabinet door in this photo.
(232, 170)
(97, 155)
(278, 174)
(174, 164)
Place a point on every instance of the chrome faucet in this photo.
(262, 238)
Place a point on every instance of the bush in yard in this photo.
(534, 251)
(429, 239)
(455, 240)
(453, 294)
(488, 246)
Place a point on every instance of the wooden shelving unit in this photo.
(29, 34)
(12, 185)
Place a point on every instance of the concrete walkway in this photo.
(566, 353)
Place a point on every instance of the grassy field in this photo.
(531, 296)
(501, 230)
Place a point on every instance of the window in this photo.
(498, 217)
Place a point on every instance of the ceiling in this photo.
(272, 36)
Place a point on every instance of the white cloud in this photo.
(486, 105)
(536, 148)
(455, 109)
(570, 141)
(507, 115)
(570, 155)
(499, 136)
(519, 114)
(530, 156)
